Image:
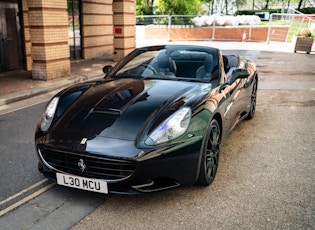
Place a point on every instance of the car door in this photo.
(230, 103)
(240, 99)
(227, 94)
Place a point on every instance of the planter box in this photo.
(303, 44)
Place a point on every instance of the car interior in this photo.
(187, 64)
(183, 64)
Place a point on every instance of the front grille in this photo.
(97, 166)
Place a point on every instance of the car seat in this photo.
(204, 72)
(165, 65)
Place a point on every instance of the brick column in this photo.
(27, 37)
(97, 28)
(124, 27)
(48, 22)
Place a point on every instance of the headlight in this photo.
(173, 127)
(49, 114)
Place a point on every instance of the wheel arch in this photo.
(201, 180)
(218, 117)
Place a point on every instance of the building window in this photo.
(11, 49)
(74, 29)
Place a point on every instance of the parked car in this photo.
(156, 121)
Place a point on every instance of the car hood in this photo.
(126, 108)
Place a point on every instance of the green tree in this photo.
(179, 7)
(144, 7)
(240, 3)
(300, 4)
(267, 4)
(275, 2)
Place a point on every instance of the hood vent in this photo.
(93, 122)
(115, 112)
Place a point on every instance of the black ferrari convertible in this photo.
(156, 121)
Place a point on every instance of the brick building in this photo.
(45, 36)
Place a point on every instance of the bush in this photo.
(308, 10)
(304, 32)
(253, 12)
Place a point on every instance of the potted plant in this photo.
(304, 41)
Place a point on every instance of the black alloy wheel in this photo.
(253, 101)
(210, 155)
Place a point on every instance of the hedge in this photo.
(308, 10)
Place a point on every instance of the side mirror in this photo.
(239, 74)
(107, 69)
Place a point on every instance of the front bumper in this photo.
(156, 170)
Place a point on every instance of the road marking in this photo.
(26, 199)
(23, 191)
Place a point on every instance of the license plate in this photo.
(88, 184)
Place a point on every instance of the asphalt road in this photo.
(17, 165)
(265, 178)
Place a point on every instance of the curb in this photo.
(22, 95)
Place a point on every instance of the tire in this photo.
(210, 154)
(253, 100)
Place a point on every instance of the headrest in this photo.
(209, 63)
(163, 60)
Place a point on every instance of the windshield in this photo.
(171, 62)
(138, 65)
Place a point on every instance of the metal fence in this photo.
(294, 22)
(280, 27)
